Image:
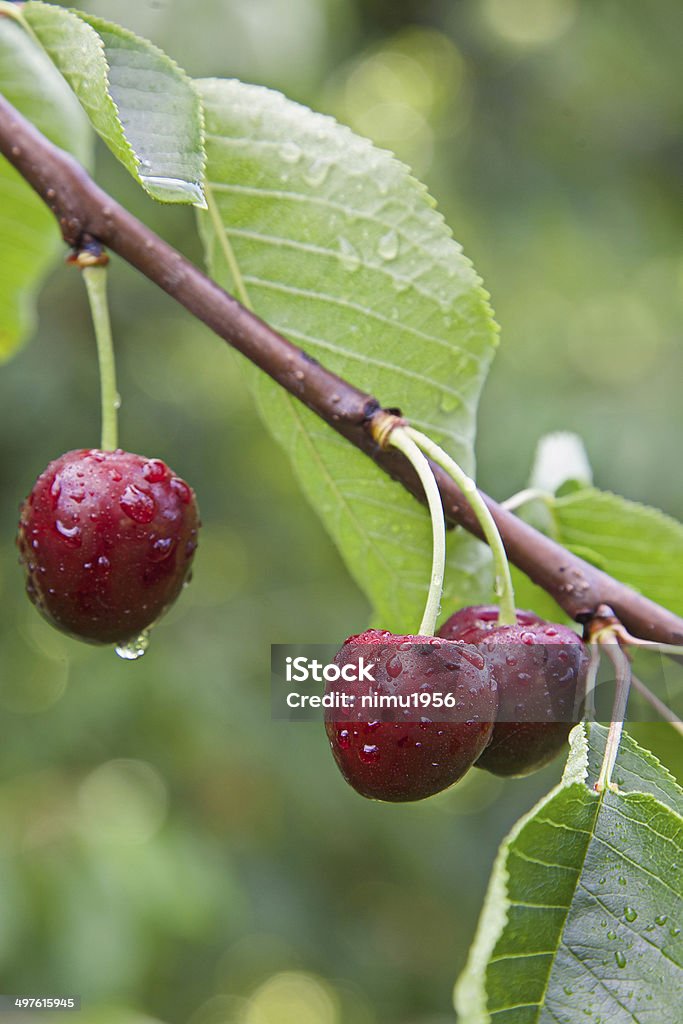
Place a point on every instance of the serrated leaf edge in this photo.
(470, 989)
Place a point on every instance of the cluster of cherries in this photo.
(107, 540)
(508, 696)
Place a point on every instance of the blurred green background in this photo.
(166, 850)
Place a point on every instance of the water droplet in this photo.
(154, 471)
(182, 489)
(138, 505)
(71, 534)
(394, 667)
(317, 172)
(621, 880)
(568, 991)
(348, 255)
(344, 739)
(629, 913)
(620, 958)
(134, 649)
(662, 919)
(388, 245)
(369, 753)
(168, 189)
(602, 880)
(162, 547)
(449, 403)
(611, 935)
(55, 491)
(117, 401)
(290, 153)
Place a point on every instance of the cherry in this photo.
(107, 540)
(407, 753)
(538, 667)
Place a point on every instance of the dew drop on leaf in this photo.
(317, 172)
(620, 958)
(290, 153)
(388, 245)
(350, 259)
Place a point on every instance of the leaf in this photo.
(138, 99)
(582, 920)
(639, 545)
(30, 241)
(560, 458)
(332, 242)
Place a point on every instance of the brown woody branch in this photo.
(85, 214)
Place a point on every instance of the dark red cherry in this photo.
(539, 668)
(411, 747)
(107, 541)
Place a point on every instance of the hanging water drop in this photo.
(134, 649)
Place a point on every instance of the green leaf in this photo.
(138, 100)
(30, 241)
(582, 920)
(332, 242)
(639, 545)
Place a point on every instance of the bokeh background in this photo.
(166, 850)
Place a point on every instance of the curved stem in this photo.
(504, 589)
(400, 439)
(585, 702)
(622, 668)
(522, 498)
(95, 278)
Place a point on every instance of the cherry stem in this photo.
(588, 696)
(507, 616)
(95, 278)
(622, 666)
(660, 707)
(399, 438)
(524, 497)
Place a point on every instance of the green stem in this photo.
(622, 671)
(504, 589)
(400, 439)
(96, 285)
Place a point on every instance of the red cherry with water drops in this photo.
(106, 539)
(540, 670)
(412, 746)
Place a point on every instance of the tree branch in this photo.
(85, 213)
